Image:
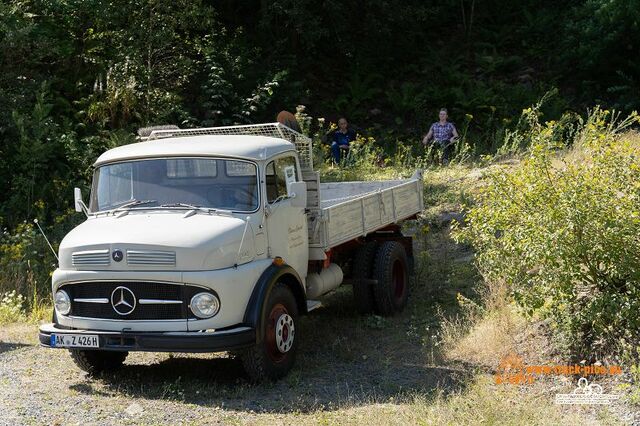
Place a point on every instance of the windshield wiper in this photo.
(134, 203)
(189, 206)
(193, 208)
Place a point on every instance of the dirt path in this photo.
(345, 362)
(349, 367)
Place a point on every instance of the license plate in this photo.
(74, 341)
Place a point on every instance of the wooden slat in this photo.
(312, 178)
(347, 217)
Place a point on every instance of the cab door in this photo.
(286, 225)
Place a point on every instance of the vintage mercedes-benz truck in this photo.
(218, 239)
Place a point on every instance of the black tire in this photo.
(274, 355)
(411, 265)
(95, 361)
(362, 274)
(391, 273)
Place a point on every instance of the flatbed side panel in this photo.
(373, 213)
(344, 221)
(357, 217)
(406, 201)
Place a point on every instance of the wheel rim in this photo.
(285, 330)
(399, 281)
(280, 333)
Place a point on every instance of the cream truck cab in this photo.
(218, 239)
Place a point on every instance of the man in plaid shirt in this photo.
(444, 135)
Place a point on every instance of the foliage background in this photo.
(80, 76)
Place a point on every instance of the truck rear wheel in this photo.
(274, 355)
(95, 362)
(362, 274)
(390, 273)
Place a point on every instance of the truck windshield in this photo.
(176, 182)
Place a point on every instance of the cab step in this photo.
(313, 304)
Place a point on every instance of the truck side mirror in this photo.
(77, 198)
(77, 201)
(298, 194)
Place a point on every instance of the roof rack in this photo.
(274, 130)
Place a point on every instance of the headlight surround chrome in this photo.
(62, 302)
(205, 305)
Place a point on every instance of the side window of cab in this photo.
(279, 174)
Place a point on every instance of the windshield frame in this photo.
(177, 157)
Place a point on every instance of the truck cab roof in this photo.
(236, 146)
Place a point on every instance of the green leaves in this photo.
(561, 229)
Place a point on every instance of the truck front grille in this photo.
(146, 257)
(142, 300)
(91, 257)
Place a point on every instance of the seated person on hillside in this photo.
(444, 135)
(341, 138)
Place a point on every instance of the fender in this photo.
(261, 291)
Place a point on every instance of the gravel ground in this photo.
(363, 361)
(349, 368)
(369, 372)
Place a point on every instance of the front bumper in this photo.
(172, 341)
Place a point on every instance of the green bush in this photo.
(26, 264)
(562, 229)
(11, 307)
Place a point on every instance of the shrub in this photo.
(11, 307)
(561, 230)
(26, 262)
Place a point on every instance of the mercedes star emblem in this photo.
(123, 300)
(117, 255)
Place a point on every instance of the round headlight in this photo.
(62, 302)
(205, 305)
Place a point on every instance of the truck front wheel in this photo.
(95, 362)
(391, 278)
(274, 355)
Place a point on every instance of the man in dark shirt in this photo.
(444, 135)
(341, 139)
